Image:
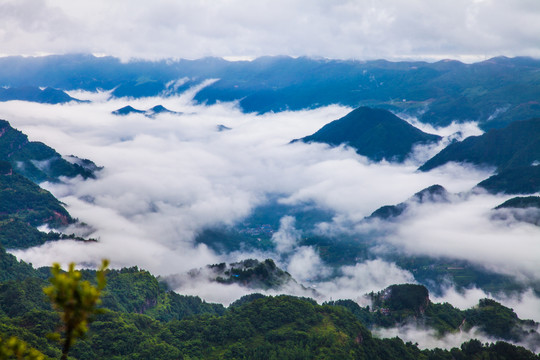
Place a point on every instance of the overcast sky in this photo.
(467, 30)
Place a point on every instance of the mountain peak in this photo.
(375, 133)
(126, 110)
(433, 193)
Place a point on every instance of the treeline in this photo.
(144, 320)
(407, 304)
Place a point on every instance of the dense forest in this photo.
(142, 319)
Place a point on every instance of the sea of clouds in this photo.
(167, 177)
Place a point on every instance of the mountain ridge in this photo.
(438, 93)
(516, 145)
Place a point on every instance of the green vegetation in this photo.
(141, 319)
(256, 231)
(37, 161)
(409, 303)
(252, 273)
(76, 301)
(12, 269)
(502, 322)
(22, 199)
(15, 348)
(23, 206)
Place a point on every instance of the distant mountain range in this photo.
(375, 133)
(35, 94)
(494, 92)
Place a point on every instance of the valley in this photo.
(230, 195)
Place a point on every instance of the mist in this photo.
(167, 178)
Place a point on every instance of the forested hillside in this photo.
(143, 320)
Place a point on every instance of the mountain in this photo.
(35, 94)
(13, 269)
(152, 112)
(521, 203)
(516, 145)
(253, 274)
(525, 209)
(37, 161)
(222, 128)
(520, 180)
(494, 92)
(434, 193)
(159, 109)
(23, 206)
(375, 133)
(126, 110)
(144, 320)
(407, 304)
(139, 88)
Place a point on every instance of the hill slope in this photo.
(145, 321)
(375, 133)
(37, 161)
(516, 145)
(23, 204)
(434, 193)
(526, 209)
(520, 180)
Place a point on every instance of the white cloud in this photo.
(306, 266)
(429, 339)
(356, 281)
(524, 304)
(168, 177)
(287, 236)
(463, 229)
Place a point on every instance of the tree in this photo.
(76, 301)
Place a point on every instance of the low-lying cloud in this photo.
(166, 178)
(463, 229)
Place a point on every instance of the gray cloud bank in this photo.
(463, 29)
